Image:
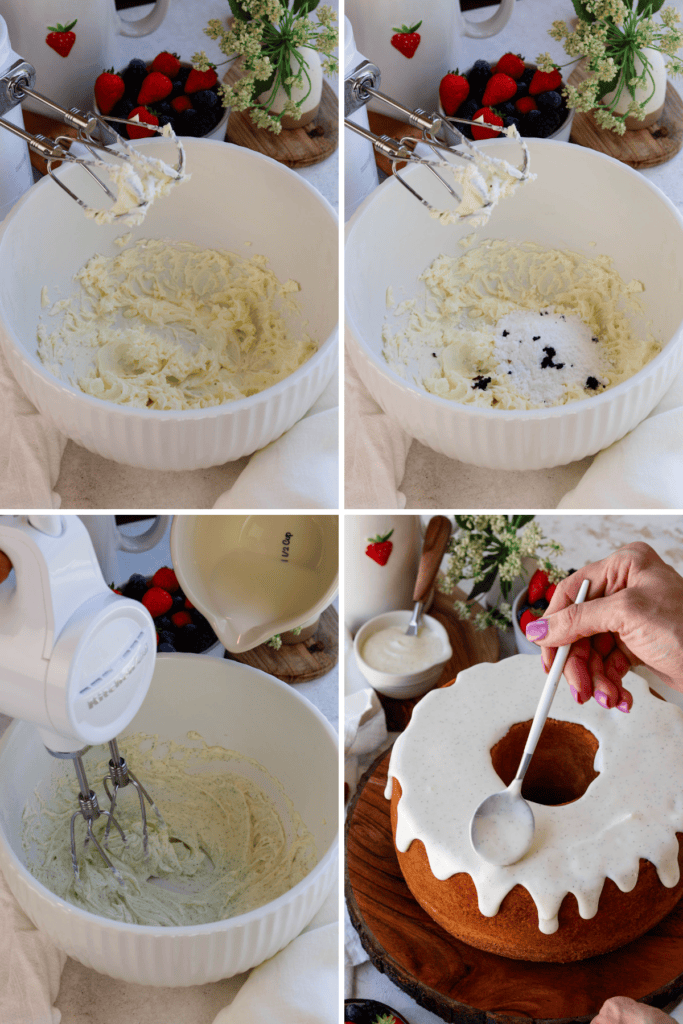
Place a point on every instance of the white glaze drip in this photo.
(633, 809)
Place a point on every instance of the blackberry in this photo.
(205, 99)
(549, 100)
(164, 624)
(522, 608)
(136, 587)
(540, 605)
(205, 639)
(548, 123)
(187, 123)
(509, 121)
(478, 75)
(530, 124)
(187, 639)
(163, 119)
(163, 109)
(122, 108)
(178, 87)
(522, 90)
(204, 122)
(178, 602)
(166, 649)
(506, 109)
(183, 75)
(133, 76)
(166, 636)
(527, 75)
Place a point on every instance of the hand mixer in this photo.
(363, 83)
(93, 131)
(77, 659)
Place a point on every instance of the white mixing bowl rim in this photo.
(553, 412)
(180, 931)
(160, 414)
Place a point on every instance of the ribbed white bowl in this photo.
(580, 197)
(239, 708)
(234, 197)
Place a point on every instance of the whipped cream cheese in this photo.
(391, 650)
(169, 325)
(514, 325)
(632, 809)
(225, 847)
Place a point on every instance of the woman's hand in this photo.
(633, 614)
(622, 1010)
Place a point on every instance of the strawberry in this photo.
(155, 87)
(538, 584)
(141, 114)
(406, 39)
(166, 579)
(198, 80)
(157, 601)
(60, 38)
(550, 591)
(525, 103)
(379, 548)
(167, 63)
(188, 604)
(453, 90)
(489, 117)
(499, 89)
(180, 103)
(109, 88)
(181, 619)
(528, 616)
(545, 81)
(511, 64)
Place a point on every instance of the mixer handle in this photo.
(144, 541)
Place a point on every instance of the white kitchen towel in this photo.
(376, 449)
(643, 469)
(30, 967)
(30, 449)
(300, 984)
(299, 469)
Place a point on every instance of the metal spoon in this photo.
(502, 829)
(437, 535)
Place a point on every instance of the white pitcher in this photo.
(381, 580)
(414, 80)
(69, 77)
(108, 540)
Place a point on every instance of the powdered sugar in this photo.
(544, 354)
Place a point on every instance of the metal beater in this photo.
(94, 132)
(363, 84)
(77, 659)
(121, 776)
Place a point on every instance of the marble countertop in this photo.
(87, 480)
(84, 994)
(585, 539)
(432, 480)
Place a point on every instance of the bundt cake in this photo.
(606, 790)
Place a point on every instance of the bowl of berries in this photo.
(509, 92)
(179, 625)
(529, 605)
(166, 90)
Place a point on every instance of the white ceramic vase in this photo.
(310, 105)
(655, 104)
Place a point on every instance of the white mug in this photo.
(69, 77)
(414, 80)
(108, 540)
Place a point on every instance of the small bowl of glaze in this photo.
(411, 682)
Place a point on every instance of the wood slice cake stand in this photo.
(470, 986)
(646, 147)
(470, 646)
(299, 663)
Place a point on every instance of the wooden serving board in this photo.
(299, 663)
(467, 985)
(470, 646)
(37, 124)
(298, 147)
(647, 147)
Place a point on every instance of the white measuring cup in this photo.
(253, 576)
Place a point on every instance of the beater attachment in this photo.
(90, 811)
(93, 131)
(440, 134)
(120, 776)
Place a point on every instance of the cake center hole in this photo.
(561, 769)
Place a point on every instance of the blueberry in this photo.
(506, 109)
(178, 87)
(523, 608)
(531, 125)
(178, 603)
(164, 624)
(166, 636)
(183, 75)
(522, 90)
(548, 123)
(527, 75)
(540, 605)
(163, 108)
(134, 76)
(122, 108)
(205, 639)
(187, 123)
(163, 119)
(136, 587)
(205, 99)
(549, 100)
(509, 121)
(166, 649)
(478, 75)
(187, 639)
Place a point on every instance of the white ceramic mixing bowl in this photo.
(236, 199)
(231, 705)
(579, 197)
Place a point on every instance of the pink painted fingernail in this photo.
(602, 698)
(537, 630)
(575, 694)
(623, 706)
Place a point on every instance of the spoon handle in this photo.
(437, 535)
(546, 699)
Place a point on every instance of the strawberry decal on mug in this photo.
(407, 39)
(379, 548)
(60, 38)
